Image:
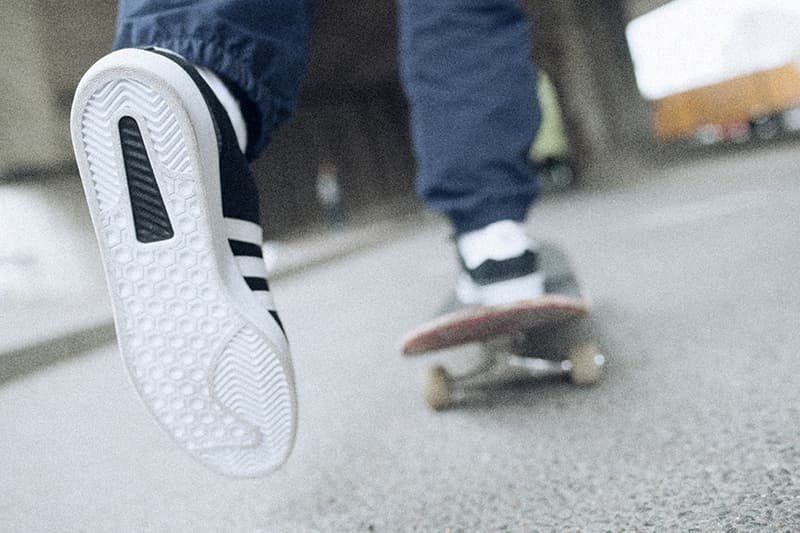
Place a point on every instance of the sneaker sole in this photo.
(502, 292)
(206, 359)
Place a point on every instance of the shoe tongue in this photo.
(499, 241)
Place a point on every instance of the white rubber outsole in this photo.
(502, 292)
(206, 359)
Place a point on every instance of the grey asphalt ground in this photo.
(693, 271)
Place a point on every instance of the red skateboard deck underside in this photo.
(480, 323)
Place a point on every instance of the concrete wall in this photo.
(583, 46)
(32, 130)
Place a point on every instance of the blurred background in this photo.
(670, 157)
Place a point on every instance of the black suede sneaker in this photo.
(175, 211)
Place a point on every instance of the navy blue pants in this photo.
(466, 70)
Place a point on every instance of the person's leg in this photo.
(175, 210)
(471, 87)
(258, 47)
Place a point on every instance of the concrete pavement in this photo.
(696, 426)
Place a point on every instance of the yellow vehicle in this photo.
(739, 100)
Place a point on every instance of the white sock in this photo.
(499, 241)
(229, 102)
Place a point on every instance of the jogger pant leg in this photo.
(260, 47)
(471, 85)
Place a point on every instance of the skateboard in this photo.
(551, 334)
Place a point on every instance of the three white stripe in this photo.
(251, 267)
(244, 230)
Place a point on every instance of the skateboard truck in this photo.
(442, 388)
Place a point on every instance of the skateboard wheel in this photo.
(437, 388)
(586, 363)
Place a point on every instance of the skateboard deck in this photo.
(552, 333)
